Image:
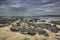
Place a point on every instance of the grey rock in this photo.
(31, 31)
(43, 32)
(15, 28)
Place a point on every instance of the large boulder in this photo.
(31, 31)
(27, 30)
(55, 29)
(15, 28)
(35, 26)
(18, 24)
(45, 26)
(43, 32)
(23, 30)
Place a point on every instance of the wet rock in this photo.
(35, 26)
(43, 32)
(55, 22)
(30, 20)
(55, 29)
(54, 25)
(15, 28)
(23, 30)
(44, 26)
(58, 29)
(31, 31)
(27, 30)
(18, 24)
(43, 20)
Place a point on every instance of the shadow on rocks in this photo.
(43, 32)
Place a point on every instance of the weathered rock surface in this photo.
(32, 29)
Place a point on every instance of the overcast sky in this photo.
(29, 7)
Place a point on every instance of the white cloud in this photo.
(48, 5)
(16, 6)
(48, 10)
(44, 1)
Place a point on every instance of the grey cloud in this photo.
(30, 7)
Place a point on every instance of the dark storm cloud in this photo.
(33, 2)
(2, 0)
(30, 7)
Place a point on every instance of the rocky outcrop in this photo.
(32, 29)
(43, 32)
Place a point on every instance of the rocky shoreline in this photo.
(31, 27)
